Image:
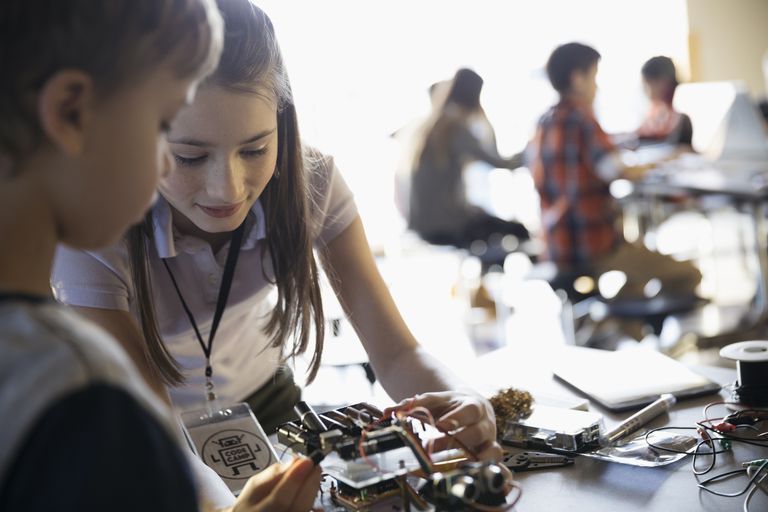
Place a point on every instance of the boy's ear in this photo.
(64, 107)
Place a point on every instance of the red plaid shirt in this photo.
(578, 212)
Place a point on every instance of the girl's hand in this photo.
(290, 488)
(465, 415)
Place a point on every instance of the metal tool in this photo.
(526, 461)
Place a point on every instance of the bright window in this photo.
(360, 70)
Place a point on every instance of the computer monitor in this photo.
(726, 123)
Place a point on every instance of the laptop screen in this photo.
(727, 125)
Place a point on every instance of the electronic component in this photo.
(342, 432)
(474, 483)
(555, 429)
(354, 499)
(309, 417)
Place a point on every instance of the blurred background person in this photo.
(662, 123)
(456, 134)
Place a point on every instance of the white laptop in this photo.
(727, 125)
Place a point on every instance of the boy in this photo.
(87, 90)
(574, 162)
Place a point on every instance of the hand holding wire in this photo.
(465, 417)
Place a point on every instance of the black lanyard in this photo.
(221, 303)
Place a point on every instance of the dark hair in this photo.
(566, 59)
(115, 42)
(661, 68)
(252, 62)
(436, 134)
(465, 89)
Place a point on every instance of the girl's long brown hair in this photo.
(252, 62)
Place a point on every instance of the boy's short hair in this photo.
(566, 59)
(116, 42)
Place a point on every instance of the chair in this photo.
(577, 283)
(586, 311)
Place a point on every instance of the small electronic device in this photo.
(341, 431)
(555, 429)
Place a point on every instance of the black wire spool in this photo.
(751, 387)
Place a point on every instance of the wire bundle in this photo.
(717, 436)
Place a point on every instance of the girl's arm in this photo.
(401, 365)
(468, 144)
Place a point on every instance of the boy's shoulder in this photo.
(48, 352)
(50, 334)
(567, 113)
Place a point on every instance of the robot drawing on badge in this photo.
(235, 450)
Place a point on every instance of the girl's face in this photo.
(225, 149)
(656, 89)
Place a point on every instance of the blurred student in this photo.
(458, 133)
(573, 163)
(408, 139)
(662, 123)
(88, 90)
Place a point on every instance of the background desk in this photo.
(592, 485)
(745, 187)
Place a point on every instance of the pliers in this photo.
(526, 461)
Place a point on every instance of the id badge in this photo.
(231, 442)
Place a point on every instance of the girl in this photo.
(242, 173)
(662, 122)
(457, 133)
(88, 88)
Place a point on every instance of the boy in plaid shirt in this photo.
(573, 164)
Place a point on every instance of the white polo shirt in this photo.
(242, 358)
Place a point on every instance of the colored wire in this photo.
(711, 434)
(712, 404)
(696, 451)
(747, 440)
(703, 484)
(415, 412)
(406, 489)
(289, 447)
(713, 454)
(361, 440)
(467, 450)
(422, 456)
(758, 485)
(664, 448)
